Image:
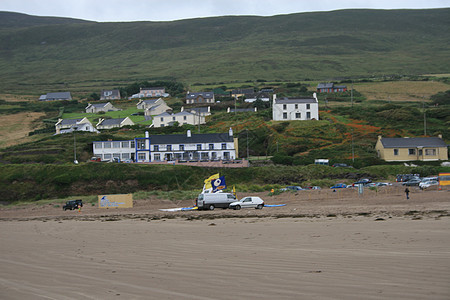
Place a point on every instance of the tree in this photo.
(441, 98)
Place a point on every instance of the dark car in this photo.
(339, 165)
(339, 186)
(73, 204)
(412, 182)
(363, 181)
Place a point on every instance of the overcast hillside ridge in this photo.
(45, 54)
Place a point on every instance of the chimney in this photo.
(230, 132)
(379, 137)
(274, 97)
(228, 110)
(146, 135)
(182, 108)
(189, 133)
(209, 109)
(315, 97)
(440, 136)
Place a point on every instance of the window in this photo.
(116, 144)
(412, 151)
(173, 118)
(199, 146)
(157, 157)
(224, 146)
(308, 106)
(181, 147)
(125, 155)
(308, 115)
(169, 148)
(125, 144)
(141, 156)
(132, 144)
(98, 145)
(211, 146)
(395, 151)
(107, 145)
(284, 106)
(431, 152)
(116, 155)
(107, 156)
(141, 144)
(285, 116)
(162, 119)
(297, 115)
(155, 147)
(184, 118)
(296, 106)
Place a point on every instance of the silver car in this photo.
(248, 202)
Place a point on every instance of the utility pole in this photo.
(353, 149)
(74, 146)
(247, 143)
(351, 94)
(424, 117)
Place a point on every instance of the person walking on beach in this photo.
(407, 193)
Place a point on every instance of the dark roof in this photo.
(58, 96)
(203, 94)
(153, 88)
(294, 100)
(327, 85)
(243, 91)
(200, 109)
(412, 142)
(195, 138)
(109, 93)
(116, 121)
(70, 121)
(99, 105)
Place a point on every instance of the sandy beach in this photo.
(321, 246)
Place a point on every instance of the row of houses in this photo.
(173, 147)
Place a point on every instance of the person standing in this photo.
(407, 193)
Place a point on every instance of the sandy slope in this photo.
(339, 246)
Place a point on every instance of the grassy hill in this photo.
(49, 54)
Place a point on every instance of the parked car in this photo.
(73, 204)
(313, 187)
(95, 159)
(363, 181)
(340, 165)
(428, 183)
(213, 200)
(248, 202)
(292, 188)
(412, 182)
(339, 186)
(383, 183)
(406, 177)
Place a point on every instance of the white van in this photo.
(213, 200)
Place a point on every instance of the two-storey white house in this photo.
(292, 109)
(171, 147)
(183, 118)
(70, 125)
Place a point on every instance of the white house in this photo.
(153, 107)
(184, 117)
(98, 107)
(114, 123)
(70, 125)
(292, 109)
(200, 110)
(181, 147)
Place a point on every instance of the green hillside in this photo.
(48, 54)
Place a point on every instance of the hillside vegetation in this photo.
(47, 54)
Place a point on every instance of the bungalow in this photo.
(183, 118)
(410, 149)
(200, 97)
(110, 95)
(250, 98)
(330, 88)
(114, 123)
(56, 96)
(241, 110)
(153, 107)
(98, 107)
(182, 147)
(290, 109)
(70, 125)
(200, 110)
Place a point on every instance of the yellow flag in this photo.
(208, 181)
(234, 190)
